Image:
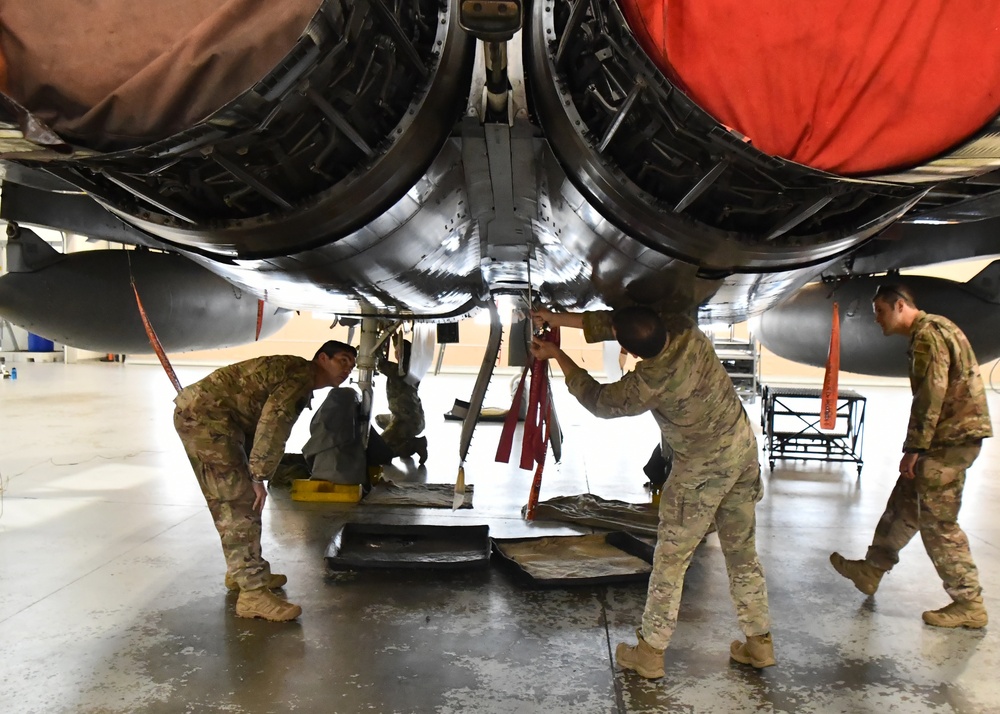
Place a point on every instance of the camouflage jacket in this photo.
(691, 396)
(404, 401)
(949, 400)
(258, 399)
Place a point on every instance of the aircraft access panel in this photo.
(790, 419)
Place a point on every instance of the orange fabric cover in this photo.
(118, 73)
(848, 86)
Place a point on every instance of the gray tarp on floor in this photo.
(563, 559)
(590, 510)
(423, 495)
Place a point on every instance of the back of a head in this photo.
(332, 348)
(889, 293)
(640, 330)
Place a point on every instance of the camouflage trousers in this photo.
(401, 434)
(930, 503)
(220, 465)
(688, 505)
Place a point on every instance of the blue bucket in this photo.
(39, 344)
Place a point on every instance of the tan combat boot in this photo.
(968, 613)
(642, 658)
(757, 651)
(277, 581)
(865, 576)
(266, 605)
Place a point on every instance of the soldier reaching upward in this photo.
(234, 424)
(715, 474)
(948, 421)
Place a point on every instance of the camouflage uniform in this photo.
(948, 421)
(715, 474)
(234, 424)
(407, 420)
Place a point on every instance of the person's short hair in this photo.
(889, 293)
(332, 348)
(640, 330)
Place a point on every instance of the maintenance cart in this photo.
(790, 418)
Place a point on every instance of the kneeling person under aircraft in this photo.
(405, 419)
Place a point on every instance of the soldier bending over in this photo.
(234, 424)
(715, 474)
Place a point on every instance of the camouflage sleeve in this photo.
(597, 326)
(627, 397)
(389, 370)
(277, 418)
(929, 380)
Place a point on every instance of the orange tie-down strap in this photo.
(828, 405)
(155, 341)
(536, 434)
(260, 318)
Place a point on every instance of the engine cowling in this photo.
(650, 161)
(333, 136)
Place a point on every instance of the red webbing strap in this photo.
(537, 426)
(532, 434)
(536, 482)
(260, 318)
(510, 422)
(828, 405)
(534, 440)
(153, 339)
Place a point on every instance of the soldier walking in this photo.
(715, 474)
(948, 421)
(234, 424)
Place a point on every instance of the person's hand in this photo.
(260, 495)
(543, 349)
(540, 316)
(908, 465)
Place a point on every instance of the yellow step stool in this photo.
(310, 490)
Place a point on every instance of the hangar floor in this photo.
(111, 594)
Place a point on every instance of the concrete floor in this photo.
(111, 594)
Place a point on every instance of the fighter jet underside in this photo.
(413, 160)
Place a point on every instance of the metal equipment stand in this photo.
(790, 420)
